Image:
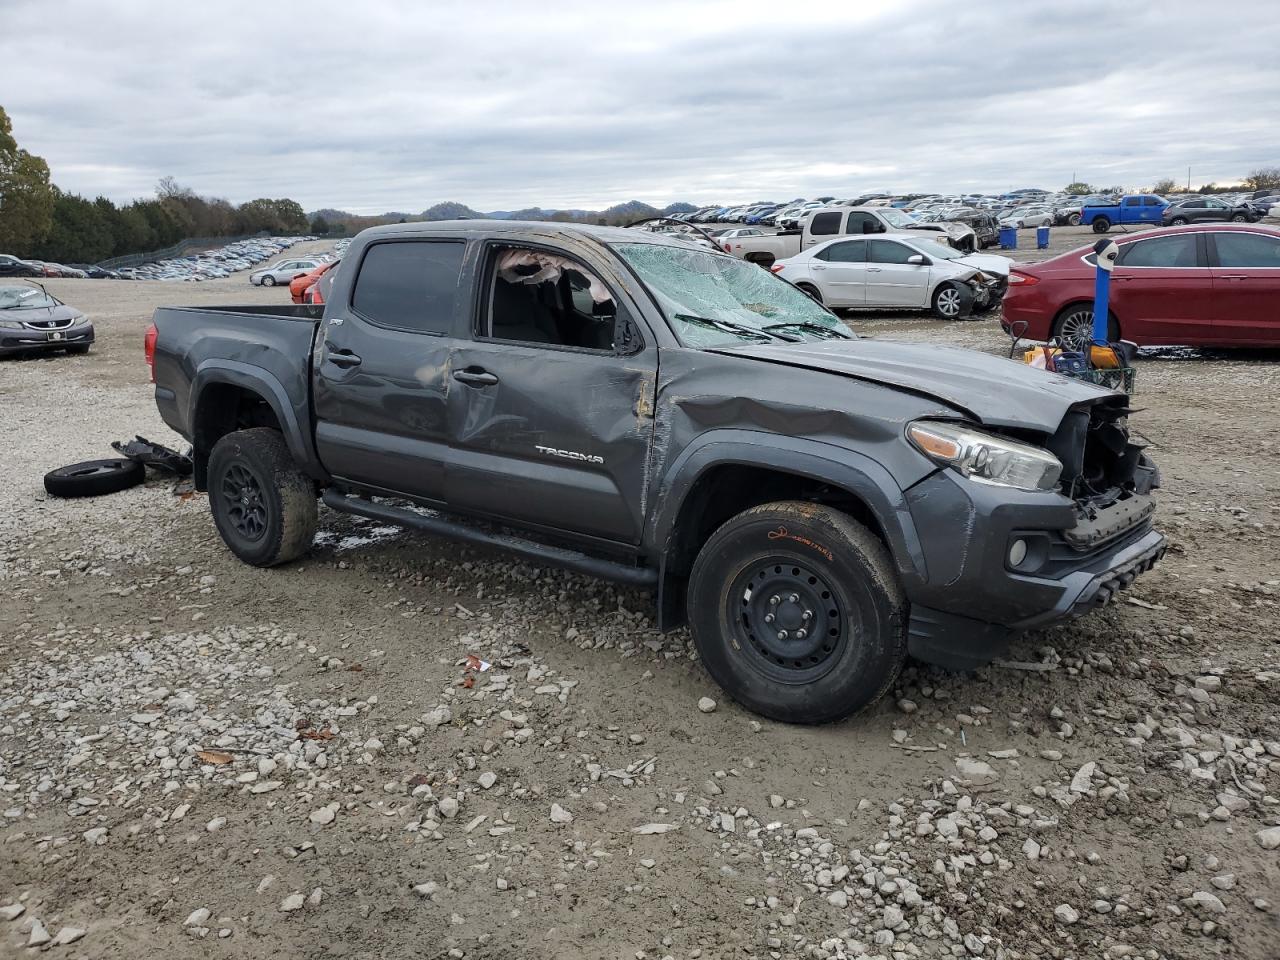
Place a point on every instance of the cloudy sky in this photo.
(378, 105)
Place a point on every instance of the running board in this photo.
(529, 549)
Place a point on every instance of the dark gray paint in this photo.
(660, 418)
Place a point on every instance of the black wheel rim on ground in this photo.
(788, 622)
(245, 504)
(1076, 329)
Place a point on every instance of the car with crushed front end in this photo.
(814, 505)
(32, 320)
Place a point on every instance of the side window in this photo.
(862, 223)
(824, 224)
(889, 251)
(1150, 202)
(1247, 250)
(1132, 201)
(544, 298)
(848, 251)
(409, 284)
(1178, 250)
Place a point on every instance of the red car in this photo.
(1205, 285)
(303, 282)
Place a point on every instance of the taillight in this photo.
(777, 268)
(149, 350)
(728, 248)
(1028, 279)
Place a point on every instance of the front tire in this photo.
(268, 281)
(948, 302)
(797, 612)
(1178, 222)
(1074, 220)
(263, 506)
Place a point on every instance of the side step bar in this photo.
(529, 549)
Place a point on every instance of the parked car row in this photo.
(11, 266)
(215, 264)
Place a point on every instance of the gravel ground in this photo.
(199, 758)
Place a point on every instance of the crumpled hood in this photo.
(993, 390)
(949, 228)
(987, 263)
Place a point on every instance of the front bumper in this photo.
(14, 342)
(970, 603)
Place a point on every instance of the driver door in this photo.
(891, 280)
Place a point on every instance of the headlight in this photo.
(10, 325)
(985, 457)
(76, 321)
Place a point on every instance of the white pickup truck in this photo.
(828, 222)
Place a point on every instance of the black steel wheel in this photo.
(797, 612)
(244, 501)
(263, 505)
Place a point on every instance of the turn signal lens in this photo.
(935, 445)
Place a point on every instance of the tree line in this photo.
(39, 220)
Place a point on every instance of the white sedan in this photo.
(898, 271)
(1023, 217)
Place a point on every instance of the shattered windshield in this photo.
(21, 298)
(711, 300)
(896, 218)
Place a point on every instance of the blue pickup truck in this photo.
(1131, 208)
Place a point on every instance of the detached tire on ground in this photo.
(797, 612)
(263, 505)
(93, 478)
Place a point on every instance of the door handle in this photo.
(475, 378)
(817, 266)
(341, 358)
(1233, 276)
(873, 269)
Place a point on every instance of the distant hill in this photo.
(451, 210)
(622, 213)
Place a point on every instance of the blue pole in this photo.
(1105, 253)
(1101, 298)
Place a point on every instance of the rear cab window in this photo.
(825, 224)
(409, 284)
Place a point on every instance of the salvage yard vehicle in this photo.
(1131, 208)
(815, 505)
(898, 271)
(1213, 285)
(1207, 209)
(34, 321)
(284, 271)
(828, 222)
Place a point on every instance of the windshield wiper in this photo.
(810, 325)
(758, 333)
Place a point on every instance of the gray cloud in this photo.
(386, 105)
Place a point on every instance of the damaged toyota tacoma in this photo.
(814, 505)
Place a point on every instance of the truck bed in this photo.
(264, 345)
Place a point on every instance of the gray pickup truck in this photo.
(813, 504)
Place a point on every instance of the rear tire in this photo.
(1239, 218)
(1178, 222)
(1101, 225)
(826, 591)
(811, 290)
(1073, 327)
(263, 506)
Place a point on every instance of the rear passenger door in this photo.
(1161, 290)
(381, 368)
(550, 420)
(841, 273)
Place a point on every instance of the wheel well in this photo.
(724, 492)
(763, 259)
(225, 408)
